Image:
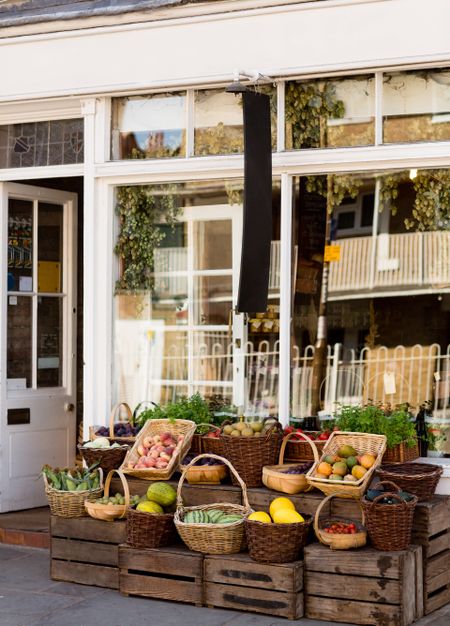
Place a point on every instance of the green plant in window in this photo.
(194, 408)
(141, 210)
(334, 188)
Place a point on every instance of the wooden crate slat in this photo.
(408, 586)
(437, 582)
(239, 569)
(432, 517)
(85, 551)
(89, 529)
(161, 588)
(437, 600)
(368, 589)
(170, 561)
(85, 574)
(335, 610)
(255, 600)
(437, 564)
(418, 555)
(376, 563)
(438, 544)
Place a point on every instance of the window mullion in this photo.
(281, 126)
(190, 123)
(378, 108)
(34, 297)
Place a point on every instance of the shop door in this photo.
(38, 327)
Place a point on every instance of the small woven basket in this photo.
(337, 541)
(276, 543)
(300, 450)
(106, 458)
(401, 453)
(150, 530)
(212, 538)
(250, 454)
(420, 479)
(273, 476)
(156, 427)
(109, 512)
(115, 412)
(213, 445)
(362, 442)
(389, 525)
(70, 503)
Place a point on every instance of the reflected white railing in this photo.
(401, 261)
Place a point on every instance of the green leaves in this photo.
(194, 408)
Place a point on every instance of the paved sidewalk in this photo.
(29, 598)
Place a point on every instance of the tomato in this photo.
(323, 436)
(288, 430)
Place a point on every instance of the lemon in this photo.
(260, 516)
(280, 503)
(149, 507)
(287, 516)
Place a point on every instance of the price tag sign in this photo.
(332, 253)
(389, 383)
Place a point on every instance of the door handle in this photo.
(69, 407)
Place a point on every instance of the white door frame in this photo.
(66, 394)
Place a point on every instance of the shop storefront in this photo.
(121, 177)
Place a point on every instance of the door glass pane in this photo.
(20, 249)
(49, 342)
(50, 245)
(19, 351)
(147, 127)
(213, 298)
(212, 245)
(213, 356)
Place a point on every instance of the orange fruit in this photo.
(325, 469)
(367, 460)
(358, 471)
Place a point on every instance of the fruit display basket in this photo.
(106, 458)
(213, 445)
(250, 454)
(71, 503)
(276, 543)
(183, 430)
(401, 453)
(300, 449)
(336, 540)
(212, 538)
(211, 473)
(364, 443)
(420, 479)
(147, 530)
(109, 512)
(125, 424)
(389, 525)
(276, 477)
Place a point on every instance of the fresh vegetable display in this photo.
(340, 528)
(83, 479)
(157, 451)
(194, 408)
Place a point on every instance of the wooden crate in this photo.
(84, 550)
(388, 585)
(431, 530)
(172, 573)
(236, 582)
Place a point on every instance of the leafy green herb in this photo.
(194, 408)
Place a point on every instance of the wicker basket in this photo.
(205, 474)
(212, 538)
(115, 412)
(70, 503)
(362, 442)
(213, 445)
(276, 543)
(420, 479)
(150, 530)
(106, 458)
(156, 427)
(389, 525)
(336, 541)
(250, 454)
(300, 450)
(109, 512)
(401, 453)
(274, 478)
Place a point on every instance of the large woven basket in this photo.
(420, 479)
(276, 543)
(212, 538)
(250, 454)
(337, 541)
(362, 442)
(106, 458)
(273, 476)
(115, 413)
(70, 503)
(401, 453)
(300, 450)
(156, 427)
(109, 512)
(150, 530)
(389, 525)
(213, 445)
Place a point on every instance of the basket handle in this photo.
(319, 510)
(275, 426)
(391, 483)
(114, 412)
(211, 426)
(124, 485)
(306, 438)
(242, 485)
(138, 406)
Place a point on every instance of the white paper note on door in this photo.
(389, 383)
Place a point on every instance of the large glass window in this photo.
(416, 106)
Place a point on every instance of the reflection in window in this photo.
(416, 106)
(330, 113)
(20, 245)
(49, 342)
(149, 127)
(19, 351)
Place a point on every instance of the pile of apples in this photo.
(314, 435)
(156, 452)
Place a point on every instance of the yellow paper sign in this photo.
(49, 276)
(332, 253)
